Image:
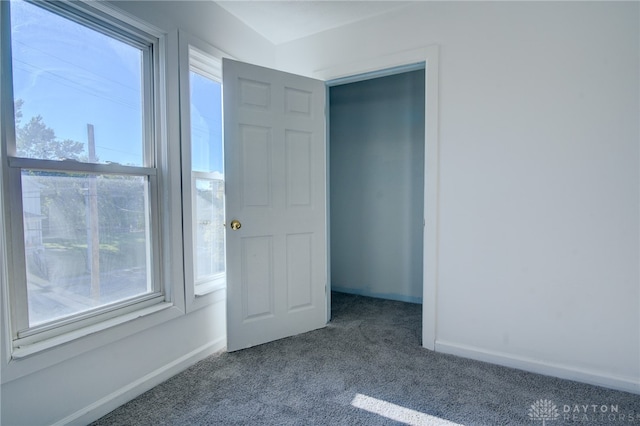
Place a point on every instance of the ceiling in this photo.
(284, 21)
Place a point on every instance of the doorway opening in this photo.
(376, 191)
(254, 286)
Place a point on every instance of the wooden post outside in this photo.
(93, 228)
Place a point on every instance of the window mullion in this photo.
(79, 167)
(188, 183)
(204, 175)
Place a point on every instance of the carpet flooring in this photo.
(367, 368)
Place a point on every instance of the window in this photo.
(203, 168)
(207, 179)
(82, 172)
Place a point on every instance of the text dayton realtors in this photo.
(594, 412)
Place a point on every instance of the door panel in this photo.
(299, 167)
(276, 187)
(299, 272)
(255, 149)
(257, 278)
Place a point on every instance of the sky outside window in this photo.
(73, 76)
(206, 124)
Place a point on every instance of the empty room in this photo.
(310, 212)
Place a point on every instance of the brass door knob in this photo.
(235, 224)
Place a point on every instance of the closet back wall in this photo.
(377, 186)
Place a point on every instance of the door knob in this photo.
(235, 224)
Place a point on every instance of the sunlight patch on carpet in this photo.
(398, 413)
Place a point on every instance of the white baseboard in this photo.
(387, 296)
(626, 384)
(112, 401)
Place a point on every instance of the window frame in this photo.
(206, 60)
(20, 346)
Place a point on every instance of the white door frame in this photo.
(426, 58)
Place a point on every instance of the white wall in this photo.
(376, 193)
(85, 379)
(206, 21)
(538, 263)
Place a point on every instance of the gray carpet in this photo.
(366, 368)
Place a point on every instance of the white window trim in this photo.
(195, 53)
(30, 357)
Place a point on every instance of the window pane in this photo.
(209, 230)
(208, 180)
(86, 241)
(66, 77)
(206, 124)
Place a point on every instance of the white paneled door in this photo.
(275, 165)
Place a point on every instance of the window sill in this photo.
(200, 292)
(24, 351)
(213, 284)
(202, 299)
